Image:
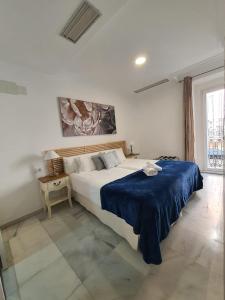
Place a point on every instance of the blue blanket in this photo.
(151, 204)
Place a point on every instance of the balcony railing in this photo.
(215, 153)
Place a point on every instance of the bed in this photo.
(86, 189)
(139, 208)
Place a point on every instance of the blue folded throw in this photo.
(151, 204)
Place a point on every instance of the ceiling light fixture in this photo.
(140, 60)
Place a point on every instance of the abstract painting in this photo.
(81, 118)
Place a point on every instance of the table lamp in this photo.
(51, 155)
(131, 147)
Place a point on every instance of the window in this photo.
(215, 129)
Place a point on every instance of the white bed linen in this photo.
(88, 184)
(135, 164)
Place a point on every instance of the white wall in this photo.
(161, 121)
(161, 125)
(200, 86)
(30, 124)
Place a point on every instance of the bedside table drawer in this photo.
(57, 184)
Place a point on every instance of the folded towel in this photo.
(150, 171)
(152, 165)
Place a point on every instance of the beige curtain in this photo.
(188, 119)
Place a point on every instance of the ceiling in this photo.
(174, 35)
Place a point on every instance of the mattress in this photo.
(88, 184)
(86, 188)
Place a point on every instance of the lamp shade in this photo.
(132, 143)
(51, 155)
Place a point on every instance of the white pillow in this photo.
(86, 164)
(109, 159)
(116, 157)
(71, 163)
(120, 155)
(119, 152)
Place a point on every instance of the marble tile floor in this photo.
(73, 256)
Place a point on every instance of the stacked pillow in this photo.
(84, 164)
(90, 162)
(79, 163)
(120, 155)
(110, 159)
(98, 162)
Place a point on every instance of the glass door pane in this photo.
(215, 147)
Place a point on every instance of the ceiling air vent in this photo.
(80, 21)
(151, 85)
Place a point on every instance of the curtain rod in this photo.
(204, 73)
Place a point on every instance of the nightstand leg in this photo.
(48, 204)
(43, 201)
(49, 212)
(69, 197)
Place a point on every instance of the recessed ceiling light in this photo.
(140, 60)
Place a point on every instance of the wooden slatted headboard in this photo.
(72, 151)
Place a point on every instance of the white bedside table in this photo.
(50, 184)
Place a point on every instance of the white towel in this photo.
(150, 171)
(154, 166)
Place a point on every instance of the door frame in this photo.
(205, 126)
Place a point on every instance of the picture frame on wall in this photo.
(84, 118)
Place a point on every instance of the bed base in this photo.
(116, 224)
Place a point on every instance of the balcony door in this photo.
(214, 145)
